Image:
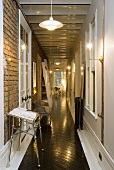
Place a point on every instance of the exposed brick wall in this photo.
(35, 52)
(11, 74)
(10, 17)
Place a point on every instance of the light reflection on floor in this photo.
(63, 150)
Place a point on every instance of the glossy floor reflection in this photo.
(63, 150)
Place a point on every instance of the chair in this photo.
(42, 109)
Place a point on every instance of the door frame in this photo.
(1, 79)
(23, 22)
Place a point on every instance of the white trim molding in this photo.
(91, 58)
(4, 156)
(107, 163)
(16, 156)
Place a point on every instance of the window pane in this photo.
(57, 81)
(93, 91)
(21, 33)
(26, 39)
(58, 76)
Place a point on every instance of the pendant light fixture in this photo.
(51, 24)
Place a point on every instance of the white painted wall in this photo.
(109, 78)
(1, 79)
(95, 124)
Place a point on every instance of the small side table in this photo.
(30, 117)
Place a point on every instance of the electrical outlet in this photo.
(100, 156)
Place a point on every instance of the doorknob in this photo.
(24, 99)
(29, 97)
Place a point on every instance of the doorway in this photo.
(24, 63)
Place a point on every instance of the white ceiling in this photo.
(61, 42)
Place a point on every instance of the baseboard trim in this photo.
(90, 156)
(107, 161)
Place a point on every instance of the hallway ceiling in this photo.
(58, 44)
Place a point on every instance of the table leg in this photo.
(11, 141)
(20, 123)
(41, 135)
(35, 137)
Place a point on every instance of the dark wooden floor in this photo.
(62, 146)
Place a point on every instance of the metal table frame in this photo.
(35, 124)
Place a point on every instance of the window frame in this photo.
(91, 74)
(58, 77)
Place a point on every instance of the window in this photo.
(92, 62)
(58, 76)
(23, 35)
(87, 71)
(90, 37)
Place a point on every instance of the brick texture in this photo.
(11, 75)
(10, 26)
(35, 53)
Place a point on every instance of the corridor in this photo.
(62, 148)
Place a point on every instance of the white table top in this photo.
(22, 113)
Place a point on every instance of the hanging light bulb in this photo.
(51, 24)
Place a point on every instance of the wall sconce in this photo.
(82, 73)
(23, 47)
(68, 67)
(89, 46)
(8, 60)
(50, 71)
(100, 59)
(82, 68)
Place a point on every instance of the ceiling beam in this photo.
(55, 2)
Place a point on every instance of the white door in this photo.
(24, 63)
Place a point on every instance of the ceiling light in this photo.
(38, 12)
(51, 24)
(57, 63)
(70, 7)
(57, 69)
